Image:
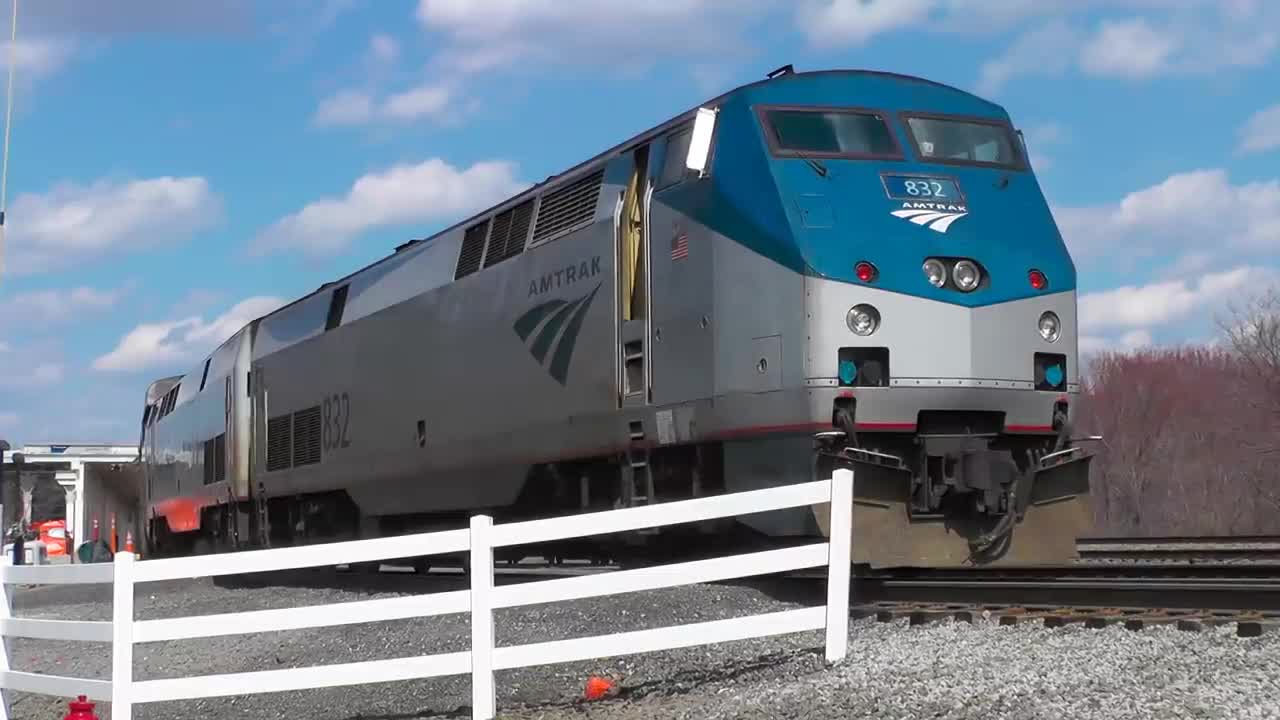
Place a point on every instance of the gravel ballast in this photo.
(943, 670)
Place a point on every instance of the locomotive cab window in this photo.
(829, 133)
(964, 141)
(673, 169)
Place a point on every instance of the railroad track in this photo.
(1255, 550)
(1192, 583)
(1247, 623)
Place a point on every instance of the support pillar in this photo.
(28, 489)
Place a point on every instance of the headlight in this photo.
(935, 271)
(966, 275)
(1050, 326)
(863, 319)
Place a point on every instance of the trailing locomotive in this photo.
(819, 269)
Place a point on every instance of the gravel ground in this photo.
(946, 670)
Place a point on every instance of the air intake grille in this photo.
(568, 207)
(306, 436)
(279, 442)
(472, 250)
(510, 230)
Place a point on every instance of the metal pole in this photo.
(19, 527)
(8, 121)
(4, 492)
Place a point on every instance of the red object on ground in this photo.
(81, 709)
(53, 533)
(597, 687)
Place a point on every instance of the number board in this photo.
(922, 187)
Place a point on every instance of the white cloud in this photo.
(36, 57)
(1261, 132)
(47, 307)
(383, 49)
(166, 344)
(1184, 211)
(347, 107)
(1142, 307)
(359, 107)
(1128, 48)
(1131, 317)
(497, 33)
(402, 194)
(127, 17)
(834, 22)
(422, 101)
(1045, 50)
(1172, 37)
(72, 223)
(28, 369)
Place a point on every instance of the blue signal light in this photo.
(1053, 375)
(848, 372)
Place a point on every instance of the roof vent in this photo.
(405, 246)
(784, 70)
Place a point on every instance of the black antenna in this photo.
(784, 70)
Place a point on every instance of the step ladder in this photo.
(637, 475)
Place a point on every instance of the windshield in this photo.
(964, 142)
(829, 133)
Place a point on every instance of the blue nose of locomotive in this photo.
(915, 172)
(861, 212)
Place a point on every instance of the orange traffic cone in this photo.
(113, 538)
(128, 541)
(599, 687)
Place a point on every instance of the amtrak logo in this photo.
(933, 215)
(549, 319)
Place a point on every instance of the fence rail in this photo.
(479, 600)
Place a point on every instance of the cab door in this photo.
(632, 235)
(681, 282)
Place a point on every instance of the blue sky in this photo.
(178, 168)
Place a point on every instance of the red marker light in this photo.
(1038, 280)
(865, 271)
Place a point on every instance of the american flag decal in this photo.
(680, 245)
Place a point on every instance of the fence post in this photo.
(839, 558)
(483, 703)
(122, 638)
(6, 612)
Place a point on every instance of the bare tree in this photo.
(1252, 328)
(1179, 433)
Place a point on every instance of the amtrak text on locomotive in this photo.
(940, 207)
(565, 276)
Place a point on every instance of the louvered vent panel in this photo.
(472, 250)
(498, 238)
(208, 462)
(510, 230)
(520, 229)
(279, 442)
(220, 458)
(568, 207)
(306, 436)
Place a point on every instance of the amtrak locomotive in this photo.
(822, 269)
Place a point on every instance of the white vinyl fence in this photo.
(123, 632)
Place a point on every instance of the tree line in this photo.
(1191, 435)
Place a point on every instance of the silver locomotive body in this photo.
(640, 328)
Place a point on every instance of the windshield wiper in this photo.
(817, 166)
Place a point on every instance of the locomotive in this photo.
(840, 268)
